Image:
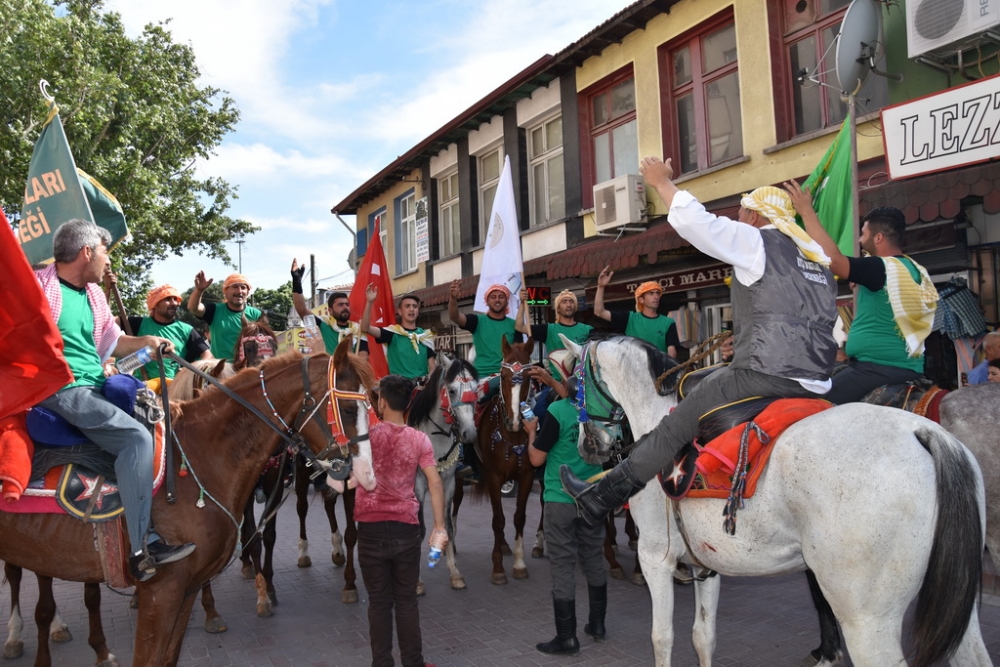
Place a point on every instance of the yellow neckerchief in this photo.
(913, 304)
(425, 338)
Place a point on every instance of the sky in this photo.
(330, 92)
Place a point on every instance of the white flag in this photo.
(502, 253)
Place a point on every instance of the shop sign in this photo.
(678, 281)
(953, 128)
(539, 297)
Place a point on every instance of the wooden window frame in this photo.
(585, 110)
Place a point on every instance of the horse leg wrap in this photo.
(598, 607)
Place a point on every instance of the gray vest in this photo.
(783, 323)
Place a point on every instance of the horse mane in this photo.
(426, 400)
(457, 366)
(182, 388)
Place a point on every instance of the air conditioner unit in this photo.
(619, 202)
(941, 28)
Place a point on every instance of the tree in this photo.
(136, 120)
(276, 303)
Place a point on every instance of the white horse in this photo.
(882, 505)
(445, 410)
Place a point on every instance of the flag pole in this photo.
(855, 197)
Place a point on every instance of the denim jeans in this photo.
(389, 556)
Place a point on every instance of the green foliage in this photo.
(136, 120)
(276, 303)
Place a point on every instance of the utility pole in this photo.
(239, 255)
(312, 277)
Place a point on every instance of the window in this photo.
(406, 233)
(448, 216)
(548, 191)
(703, 121)
(614, 144)
(809, 31)
(489, 178)
(376, 221)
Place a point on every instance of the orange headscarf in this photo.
(566, 294)
(236, 279)
(647, 286)
(159, 293)
(498, 287)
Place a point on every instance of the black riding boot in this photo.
(565, 641)
(598, 606)
(595, 501)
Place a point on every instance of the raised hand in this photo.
(201, 283)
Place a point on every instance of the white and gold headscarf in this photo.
(775, 205)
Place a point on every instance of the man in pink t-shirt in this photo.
(389, 529)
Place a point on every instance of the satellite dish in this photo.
(859, 33)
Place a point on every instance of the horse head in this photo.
(608, 380)
(513, 382)
(257, 343)
(458, 395)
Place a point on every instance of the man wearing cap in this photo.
(224, 323)
(486, 331)
(896, 301)
(645, 323)
(162, 303)
(784, 309)
(565, 324)
(409, 349)
(340, 311)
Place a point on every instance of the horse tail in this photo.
(953, 578)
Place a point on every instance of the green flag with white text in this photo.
(830, 185)
(56, 191)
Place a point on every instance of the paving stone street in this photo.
(762, 622)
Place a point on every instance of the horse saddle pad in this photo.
(79, 480)
(707, 471)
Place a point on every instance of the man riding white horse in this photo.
(784, 306)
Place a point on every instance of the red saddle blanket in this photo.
(716, 462)
(69, 489)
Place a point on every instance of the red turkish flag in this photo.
(374, 270)
(32, 366)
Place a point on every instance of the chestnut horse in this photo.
(286, 390)
(502, 447)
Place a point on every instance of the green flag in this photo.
(833, 198)
(55, 192)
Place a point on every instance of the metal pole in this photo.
(855, 198)
(312, 277)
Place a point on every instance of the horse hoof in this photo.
(349, 597)
(273, 597)
(498, 579)
(520, 573)
(264, 610)
(421, 589)
(112, 661)
(638, 579)
(537, 552)
(247, 572)
(458, 583)
(633, 545)
(505, 550)
(306, 561)
(215, 626)
(133, 602)
(338, 560)
(61, 636)
(13, 650)
(617, 573)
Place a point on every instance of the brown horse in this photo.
(502, 448)
(226, 472)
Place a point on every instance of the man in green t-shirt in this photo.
(645, 323)
(878, 351)
(226, 322)
(568, 540)
(409, 349)
(340, 326)
(90, 336)
(486, 331)
(163, 302)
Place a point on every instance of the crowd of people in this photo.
(783, 291)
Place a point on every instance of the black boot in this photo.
(595, 501)
(565, 641)
(598, 606)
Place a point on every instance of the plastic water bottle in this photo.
(527, 412)
(437, 547)
(135, 361)
(312, 333)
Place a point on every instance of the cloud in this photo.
(259, 163)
